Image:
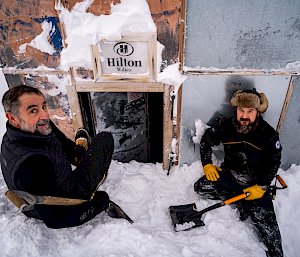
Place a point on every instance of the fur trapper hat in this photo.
(250, 99)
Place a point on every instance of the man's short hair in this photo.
(10, 99)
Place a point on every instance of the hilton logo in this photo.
(123, 49)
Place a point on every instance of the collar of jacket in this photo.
(17, 135)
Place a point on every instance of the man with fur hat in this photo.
(252, 158)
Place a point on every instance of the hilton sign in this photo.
(132, 58)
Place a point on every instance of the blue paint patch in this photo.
(55, 37)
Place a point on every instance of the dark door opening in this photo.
(134, 119)
(155, 112)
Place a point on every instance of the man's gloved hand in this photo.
(211, 172)
(255, 191)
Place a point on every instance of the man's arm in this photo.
(273, 161)
(210, 138)
(36, 175)
(73, 152)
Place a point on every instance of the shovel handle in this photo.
(236, 198)
(281, 181)
(15, 199)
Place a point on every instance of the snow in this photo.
(200, 129)
(176, 79)
(295, 66)
(41, 42)
(84, 29)
(144, 190)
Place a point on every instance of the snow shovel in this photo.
(186, 217)
(25, 202)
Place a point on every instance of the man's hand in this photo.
(211, 172)
(255, 191)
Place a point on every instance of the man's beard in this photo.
(42, 127)
(245, 129)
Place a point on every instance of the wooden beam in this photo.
(286, 102)
(82, 86)
(167, 127)
(71, 89)
(182, 33)
(178, 121)
(241, 72)
(74, 106)
(15, 71)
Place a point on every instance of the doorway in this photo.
(135, 120)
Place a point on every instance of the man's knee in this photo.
(105, 137)
(101, 200)
(206, 189)
(203, 185)
(103, 142)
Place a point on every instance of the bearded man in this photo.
(252, 157)
(36, 157)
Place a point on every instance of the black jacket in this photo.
(41, 165)
(258, 152)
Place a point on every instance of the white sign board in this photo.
(132, 58)
(124, 57)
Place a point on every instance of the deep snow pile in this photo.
(146, 192)
(143, 190)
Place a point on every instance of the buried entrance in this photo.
(135, 120)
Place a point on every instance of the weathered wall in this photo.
(209, 97)
(261, 35)
(242, 34)
(21, 22)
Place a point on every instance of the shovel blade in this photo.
(184, 217)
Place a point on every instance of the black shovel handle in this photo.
(218, 205)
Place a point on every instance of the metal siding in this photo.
(242, 34)
(289, 133)
(206, 97)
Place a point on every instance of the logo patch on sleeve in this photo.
(277, 145)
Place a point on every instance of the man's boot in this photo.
(82, 138)
(115, 211)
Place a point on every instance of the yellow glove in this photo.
(255, 191)
(211, 172)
